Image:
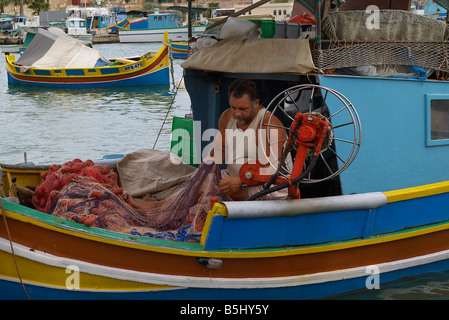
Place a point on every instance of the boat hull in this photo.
(153, 71)
(179, 50)
(157, 35)
(62, 259)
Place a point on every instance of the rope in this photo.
(12, 249)
(168, 111)
(181, 235)
(176, 92)
(170, 57)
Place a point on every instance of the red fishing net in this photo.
(87, 193)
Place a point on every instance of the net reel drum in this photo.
(309, 134)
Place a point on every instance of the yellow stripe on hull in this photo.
(36, 273)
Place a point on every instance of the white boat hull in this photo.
(157, 35)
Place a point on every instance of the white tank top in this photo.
(241, 146)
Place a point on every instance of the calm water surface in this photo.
(57, 125)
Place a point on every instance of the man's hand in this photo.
(232, 187)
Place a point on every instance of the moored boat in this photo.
(41, 65)
(151, 28)
(179, 49)
(363, 218)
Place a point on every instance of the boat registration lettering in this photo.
(133, 66)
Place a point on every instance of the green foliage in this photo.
(147, 6)
(38, 6)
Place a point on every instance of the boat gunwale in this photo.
(43, 220)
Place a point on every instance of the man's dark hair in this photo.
(240, 87)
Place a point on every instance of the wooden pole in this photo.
(189, 17)
(236, 14)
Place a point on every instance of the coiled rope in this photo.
(181, 235)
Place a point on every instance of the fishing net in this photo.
(87, 193)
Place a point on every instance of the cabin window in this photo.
(274, 12)
(437, 120)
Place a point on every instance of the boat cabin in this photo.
(371, 75)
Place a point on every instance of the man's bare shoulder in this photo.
(224, 118)
(272, 119)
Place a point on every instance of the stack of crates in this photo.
(291, 30)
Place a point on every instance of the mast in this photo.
(189, 18)
(318, 23)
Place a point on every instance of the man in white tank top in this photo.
(240, 125)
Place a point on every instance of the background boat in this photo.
(91, 70)
(179, 49)
(151, 28)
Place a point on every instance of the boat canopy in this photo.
(186, 9)
(443, 3)
(52, 51)
(242, 55)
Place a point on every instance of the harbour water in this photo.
(57, 125)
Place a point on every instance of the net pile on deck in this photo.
(87, 193)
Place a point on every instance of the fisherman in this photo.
(240, 126)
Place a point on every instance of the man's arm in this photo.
(278, 137)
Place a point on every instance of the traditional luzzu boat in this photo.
(54, 61)
(152, 28)
(367, 209)
(179, 49)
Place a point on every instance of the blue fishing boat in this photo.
(151, 28)
(367, 190)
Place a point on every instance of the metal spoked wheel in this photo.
(344, 126)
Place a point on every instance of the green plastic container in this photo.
(182, 141)
(268, 27)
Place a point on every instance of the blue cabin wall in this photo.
(394, 152)
(156, 21)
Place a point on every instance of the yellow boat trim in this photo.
(51, 276)
(417, 192)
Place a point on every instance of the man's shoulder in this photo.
(225, 117)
